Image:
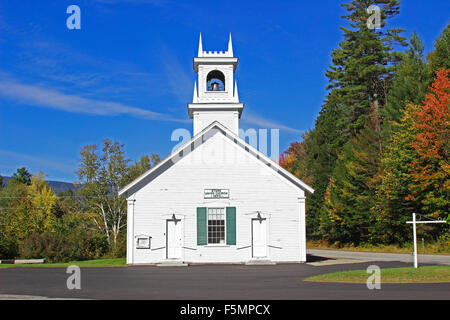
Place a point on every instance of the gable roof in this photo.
(233, 137)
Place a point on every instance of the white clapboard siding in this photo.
(227, 118)
(253, 187)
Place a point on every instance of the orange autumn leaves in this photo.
(294, 161)
(421, 144)
(431, 169)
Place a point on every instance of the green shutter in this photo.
(231, 225)
(201, 226)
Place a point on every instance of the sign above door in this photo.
(217, 194)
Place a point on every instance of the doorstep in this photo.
(172, 263)
(260, 262)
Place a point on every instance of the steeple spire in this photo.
(200, 46)
(235, 95)
(195, 97)
(230, 47)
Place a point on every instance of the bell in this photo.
(215, 87)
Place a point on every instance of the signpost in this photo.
(414, 222)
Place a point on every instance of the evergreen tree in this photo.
(361, 72)
(22, 176)
(321, 154)
(364, 63)
(393, 207)
(349, 200)
(409, 85)
(440, 57)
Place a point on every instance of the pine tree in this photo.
(440, 57)
(348, 216)
(364, 63)
(22, 176)
(361, 72)
(321, 154)
(393, 207)
(409, 85)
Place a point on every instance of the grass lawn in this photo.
(86, 263)
(429, 248)
(425, 274)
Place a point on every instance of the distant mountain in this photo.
(57, 186)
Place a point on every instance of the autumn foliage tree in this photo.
(26, 207)
(294, 161)
(380, 145)
(431, 168)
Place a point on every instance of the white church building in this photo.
(216, 199)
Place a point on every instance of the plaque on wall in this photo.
(143, 242)
(217, 194)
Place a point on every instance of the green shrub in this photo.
(120, 251)
(71, 240)
(8, 247)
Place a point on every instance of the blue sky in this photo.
(127, 74)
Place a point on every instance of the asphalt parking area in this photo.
(283, 281)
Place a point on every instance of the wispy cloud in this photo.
(34, 163)
(180, 82)
(49, 98)
(66, 67)
(264, 123)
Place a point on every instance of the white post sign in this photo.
(414, 222)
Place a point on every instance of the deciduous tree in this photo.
(431, 168)
(101, 176)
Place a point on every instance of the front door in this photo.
(259, 240)
(174, 239)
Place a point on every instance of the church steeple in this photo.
(235, 94)
(200, 46)
(216, 95)
(230, 46)
(195, 96)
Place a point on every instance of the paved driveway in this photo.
(375, 256)
(208, 282)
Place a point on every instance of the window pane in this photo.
(216, 225)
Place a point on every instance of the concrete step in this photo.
(260, 262)
(170, 263)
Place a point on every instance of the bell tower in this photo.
(216, 95)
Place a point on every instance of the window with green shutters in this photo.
(210, 229)
(231, 225)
